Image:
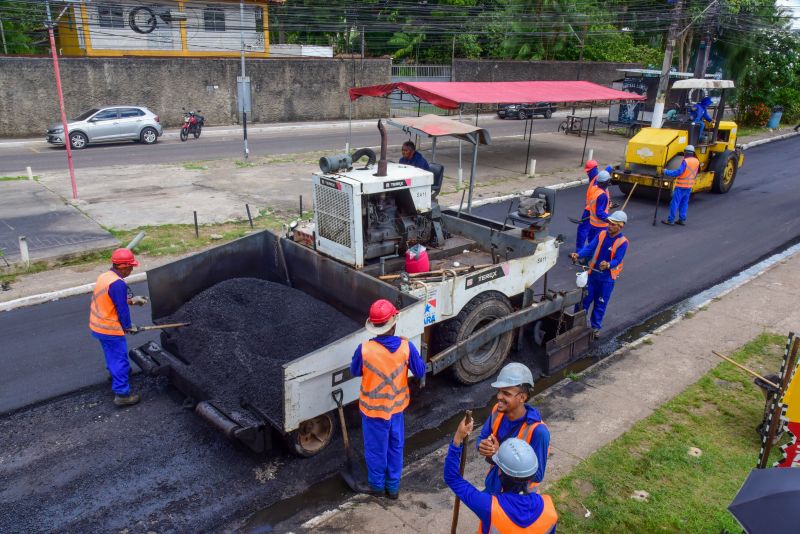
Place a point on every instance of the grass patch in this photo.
(15, 178)
(718, 415)
(240, 164)
(162, 240)
(195, 167)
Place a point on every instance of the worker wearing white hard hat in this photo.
(605, 257)
(514, 508)
(685, 176)
(513, 417)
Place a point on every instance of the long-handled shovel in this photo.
(462, 465)
(162, 326)
(353, 472)
(630, 194)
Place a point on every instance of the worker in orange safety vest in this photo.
(383, 363)
(513, 508)
(110, 320)
(685, 176)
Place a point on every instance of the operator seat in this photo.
(438, 178)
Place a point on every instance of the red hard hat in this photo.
(381, 311)
(123, 257)
(591, 164)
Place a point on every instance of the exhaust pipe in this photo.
(382, 165)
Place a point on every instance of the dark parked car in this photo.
(526, 111)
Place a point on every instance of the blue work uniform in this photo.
(540, 442)
(679, 204)
(586, 231)
(416, 161)
(384, 438)
(524, 510)
(699, 113)
(601, 283)
(115, 348)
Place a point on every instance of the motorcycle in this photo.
(192, 124)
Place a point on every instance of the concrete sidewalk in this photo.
(603, 403)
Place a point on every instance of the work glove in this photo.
(133, 329)
(138, 301)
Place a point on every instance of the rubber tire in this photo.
(719, 166)
(79, 135)
(480, 310)
(143, 137)
(563, 127)
(522, 116)
(197, 132)
(293, 441)
(184, 135)
(548, 114)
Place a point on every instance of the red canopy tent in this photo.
(453, 95)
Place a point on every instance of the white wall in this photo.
(201, 40)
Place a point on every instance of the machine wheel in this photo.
(724, 166)
(197, 132)
(184, 134)
(548, 113)
(78, 140)
(563, 127)
(478, 312)
(149, 136)
(312, 436)
(522, 115)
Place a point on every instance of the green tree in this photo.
(23, 27)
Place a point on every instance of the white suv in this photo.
(102, 125)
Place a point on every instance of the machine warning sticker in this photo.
(430, 312)
(487, 276)
(394, 184)
(342, 375)
(330, 183)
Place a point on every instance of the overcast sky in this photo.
(794, 5)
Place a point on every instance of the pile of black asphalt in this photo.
(243, 331)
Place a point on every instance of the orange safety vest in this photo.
(103, 317)
(591, 206)
(687, 177)
(384, 383)
(592, 182)
(502, 524)
(525, 433)
(618, 243)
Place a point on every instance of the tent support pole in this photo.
(586, 140)
(349, 127)
(460, 169)
(433, 150)
(528, 156)
(472, 173)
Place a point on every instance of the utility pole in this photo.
(580, 56)
(661, 95)
(67, 145)
(244, 86)
(704, 52)
(3, 35)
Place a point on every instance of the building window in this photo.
(214, 19)
(110, 16)
(259, 20)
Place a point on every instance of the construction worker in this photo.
(605, 255)
(584, 226)
(512, 417)
(412, 157)
(513, 508)
(383, 363)
(110, 320)
(685, 176)
(699, 115)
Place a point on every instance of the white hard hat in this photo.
(513, 374)
(603, 177)
(619, 217)
(689, 148)
(516, 458)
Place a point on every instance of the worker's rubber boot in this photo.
(680, 222)
(667, 222)
(126, 400)
(393, 496)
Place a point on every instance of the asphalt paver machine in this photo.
(463, 314)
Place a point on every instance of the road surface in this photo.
(78, 464)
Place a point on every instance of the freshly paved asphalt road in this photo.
(43, 157)
(77, 464)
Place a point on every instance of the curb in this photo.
(41, 298)
(751, 144)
